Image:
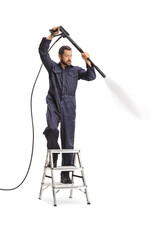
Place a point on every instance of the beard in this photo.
(66, 63)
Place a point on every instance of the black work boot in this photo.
(55, 158)
(65, 177)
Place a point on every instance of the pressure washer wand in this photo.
(66, 34)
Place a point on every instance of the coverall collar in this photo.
(65, 67)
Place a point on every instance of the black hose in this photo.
(10, 189)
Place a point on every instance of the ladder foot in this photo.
(88, 203)
(55, 205)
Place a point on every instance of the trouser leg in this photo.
(52, 138)
(67, 138)
(51, 132)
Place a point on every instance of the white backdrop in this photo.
(120, 151)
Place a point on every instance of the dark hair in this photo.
(61, 50)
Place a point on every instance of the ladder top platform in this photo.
(63, 151)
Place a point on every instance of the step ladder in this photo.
(56, 187)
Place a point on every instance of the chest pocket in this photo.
(56, 71)
(56, 78)
(72, 81)
(57, 74)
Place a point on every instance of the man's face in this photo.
(66, 58)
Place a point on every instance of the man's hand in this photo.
(86, 55)
(50, 37)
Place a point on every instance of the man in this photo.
(61, 105)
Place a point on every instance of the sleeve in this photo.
(88, 75)
(43, 51)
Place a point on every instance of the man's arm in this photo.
(86, 55)
(90, 73)
(43, 51)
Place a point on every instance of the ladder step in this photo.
(70, 186)
(65, 186)
(66, 168)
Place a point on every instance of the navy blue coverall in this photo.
(61, 104)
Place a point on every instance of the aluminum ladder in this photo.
(58, 186)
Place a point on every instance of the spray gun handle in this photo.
(53, 31)
(63, 31)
